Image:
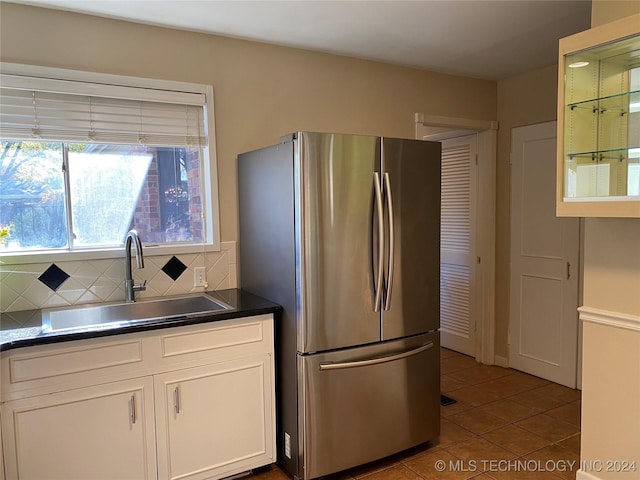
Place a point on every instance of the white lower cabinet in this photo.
(1, 451)
(204, 410)
(212, 421)
(101, 432)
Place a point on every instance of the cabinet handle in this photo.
(568, 270)
(132, 409)
(176, 400)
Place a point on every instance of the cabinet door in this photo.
(101, 432)
(1, 451)
(216, 420)
(598, 170)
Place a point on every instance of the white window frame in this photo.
(210, 197)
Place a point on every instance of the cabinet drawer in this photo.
(32, 367)
(217, 341)
(51, 367)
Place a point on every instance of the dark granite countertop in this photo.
(24, 328)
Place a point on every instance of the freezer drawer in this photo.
(365, 403)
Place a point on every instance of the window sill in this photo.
(20, 258)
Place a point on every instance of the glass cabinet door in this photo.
(599, 137)
(602, 122)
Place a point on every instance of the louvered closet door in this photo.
(457, 260)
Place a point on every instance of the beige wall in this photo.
(610, 402)
(261, 91)
(612, 246)
(605, 11)
(611, 354)
(612, 264)
(522, 100)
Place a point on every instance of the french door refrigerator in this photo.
(344, 232)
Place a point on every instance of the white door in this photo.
(544, 262)
(457, 240)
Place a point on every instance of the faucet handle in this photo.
(139, 287)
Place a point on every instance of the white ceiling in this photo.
(477, 38)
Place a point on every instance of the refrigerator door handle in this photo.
(390, 266)
(377, 302)
(375, 361)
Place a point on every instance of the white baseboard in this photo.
(501, 361)
(582, 475)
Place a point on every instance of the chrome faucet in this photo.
(129, 286)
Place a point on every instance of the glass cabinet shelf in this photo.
(612, 154)
(622, 103)
(599, 121)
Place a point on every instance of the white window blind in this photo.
(61, 110)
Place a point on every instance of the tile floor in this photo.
(505, 425)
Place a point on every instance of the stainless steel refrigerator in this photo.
(344, 232)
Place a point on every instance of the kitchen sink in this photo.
(121, 314)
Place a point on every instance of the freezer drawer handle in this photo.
(375, 361)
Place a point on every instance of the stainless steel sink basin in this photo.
(120, 314)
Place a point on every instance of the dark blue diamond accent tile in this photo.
(53, 277)
(174, 268)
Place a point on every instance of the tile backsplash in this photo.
(92, 281)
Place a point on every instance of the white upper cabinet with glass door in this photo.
(599, 121)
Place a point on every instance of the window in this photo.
(82, 163)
